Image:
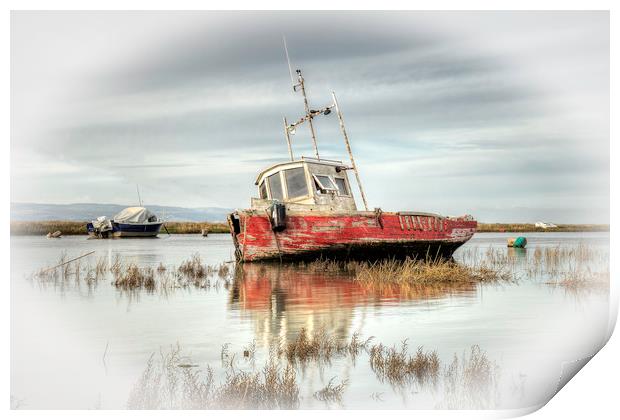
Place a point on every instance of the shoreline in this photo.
(41, 228)
(530, 227)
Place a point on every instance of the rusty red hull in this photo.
(360, 235)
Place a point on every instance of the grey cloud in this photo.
(426, 95)
(249, 45)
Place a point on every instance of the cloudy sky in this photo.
(504, 115)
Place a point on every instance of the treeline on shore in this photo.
(530, 227)
(79, 228)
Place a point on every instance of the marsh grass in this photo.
(471, 382)
(578, 281)
(128, 276)
(331, 393)
(193, 268)
(320, 346)
(197, 227)
(398, 367)
(71, 275)
(411, 278)
(574, 268)
(174, 382)
(530, 227)
(558, 261)
(134, 277)
(424, 272)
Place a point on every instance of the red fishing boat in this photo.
(305, 209)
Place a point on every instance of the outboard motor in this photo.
(277, 217)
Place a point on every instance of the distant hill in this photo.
(90, 211)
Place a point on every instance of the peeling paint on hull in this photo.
(359, 235)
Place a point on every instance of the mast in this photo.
(139, 198)
(309, 115)
(348, 145)
(288, 139)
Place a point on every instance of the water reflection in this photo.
(283, 299)
(529, 327)
(518, 254)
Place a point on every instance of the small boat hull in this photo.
(136, 230)
(357, 235)
(128, 230)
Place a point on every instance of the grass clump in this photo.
(410, 276)
(398, 367)
(319, 345)
(193, 268)
(577, 280)
(413, 272)
(132, 277)
(176, 383)
(135, 277)
(471, 382)
(331, 393)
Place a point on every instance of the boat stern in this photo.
(234, 225)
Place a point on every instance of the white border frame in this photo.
(593, 393)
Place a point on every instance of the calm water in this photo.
(85, 347)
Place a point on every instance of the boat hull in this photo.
(358, 235)
(129, 230)
(135, 230)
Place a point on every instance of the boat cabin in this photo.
(312, 184)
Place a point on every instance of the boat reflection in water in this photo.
(283, 299)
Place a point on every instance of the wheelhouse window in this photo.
(324, 183)
(342, 186)
(275, 186)
(296, 182)
(263, 190)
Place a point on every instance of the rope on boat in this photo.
(378, 219)
(275, 237)
(245, 225)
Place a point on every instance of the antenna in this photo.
(288, 60)
(139, 198)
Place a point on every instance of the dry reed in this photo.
(530, 227)
(175, 383)
(319, 345)
(331, 393)
(416, 277)
(471, 382)
(398, 367)
(131, 277)
(135, 277)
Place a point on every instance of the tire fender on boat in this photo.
(277, 217)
